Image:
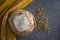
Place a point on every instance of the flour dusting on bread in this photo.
(21, 22)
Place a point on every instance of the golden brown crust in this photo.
(25, 33)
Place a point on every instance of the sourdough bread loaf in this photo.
(21, 22)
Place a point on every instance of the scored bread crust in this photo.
(31, 22)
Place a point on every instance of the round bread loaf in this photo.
(21, 22)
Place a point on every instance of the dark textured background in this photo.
(53, 7)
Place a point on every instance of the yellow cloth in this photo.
(6, 8)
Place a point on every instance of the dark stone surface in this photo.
(53, 7)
